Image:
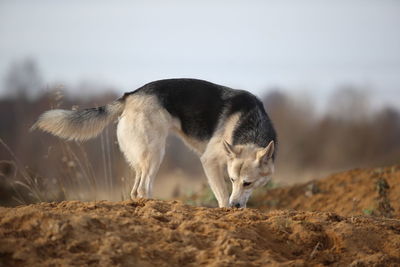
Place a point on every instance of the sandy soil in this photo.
(159, 233)
(347, 219)
(360, 191)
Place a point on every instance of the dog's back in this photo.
(200, 106)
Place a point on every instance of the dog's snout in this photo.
(235, 205)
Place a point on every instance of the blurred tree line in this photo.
(350, 134)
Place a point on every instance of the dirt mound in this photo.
(151, 233)
(355, 192)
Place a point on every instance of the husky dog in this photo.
(228, 129)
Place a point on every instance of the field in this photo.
(347, 219)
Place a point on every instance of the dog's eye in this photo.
(232, 180)
(246, 184)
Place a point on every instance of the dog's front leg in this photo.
(215, 176)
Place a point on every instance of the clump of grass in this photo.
(384, 207)
(369, 211)
(204, 197)
(27, 186)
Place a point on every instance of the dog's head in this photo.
(249, 167)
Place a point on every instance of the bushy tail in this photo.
(79, 124)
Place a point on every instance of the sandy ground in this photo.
(360, 191)
(160, 233)
(347, 219)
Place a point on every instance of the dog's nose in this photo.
(237, 205)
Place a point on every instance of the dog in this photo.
(227, 128)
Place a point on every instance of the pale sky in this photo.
(306, 47)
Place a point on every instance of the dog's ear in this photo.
(229, 150)
(265, 153)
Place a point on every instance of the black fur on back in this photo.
(200, 105)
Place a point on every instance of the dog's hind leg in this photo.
(136, 182)
(149, 171)
(144, 150)
(142, 132)
(144, 176)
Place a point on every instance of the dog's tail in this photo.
(79, 125)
